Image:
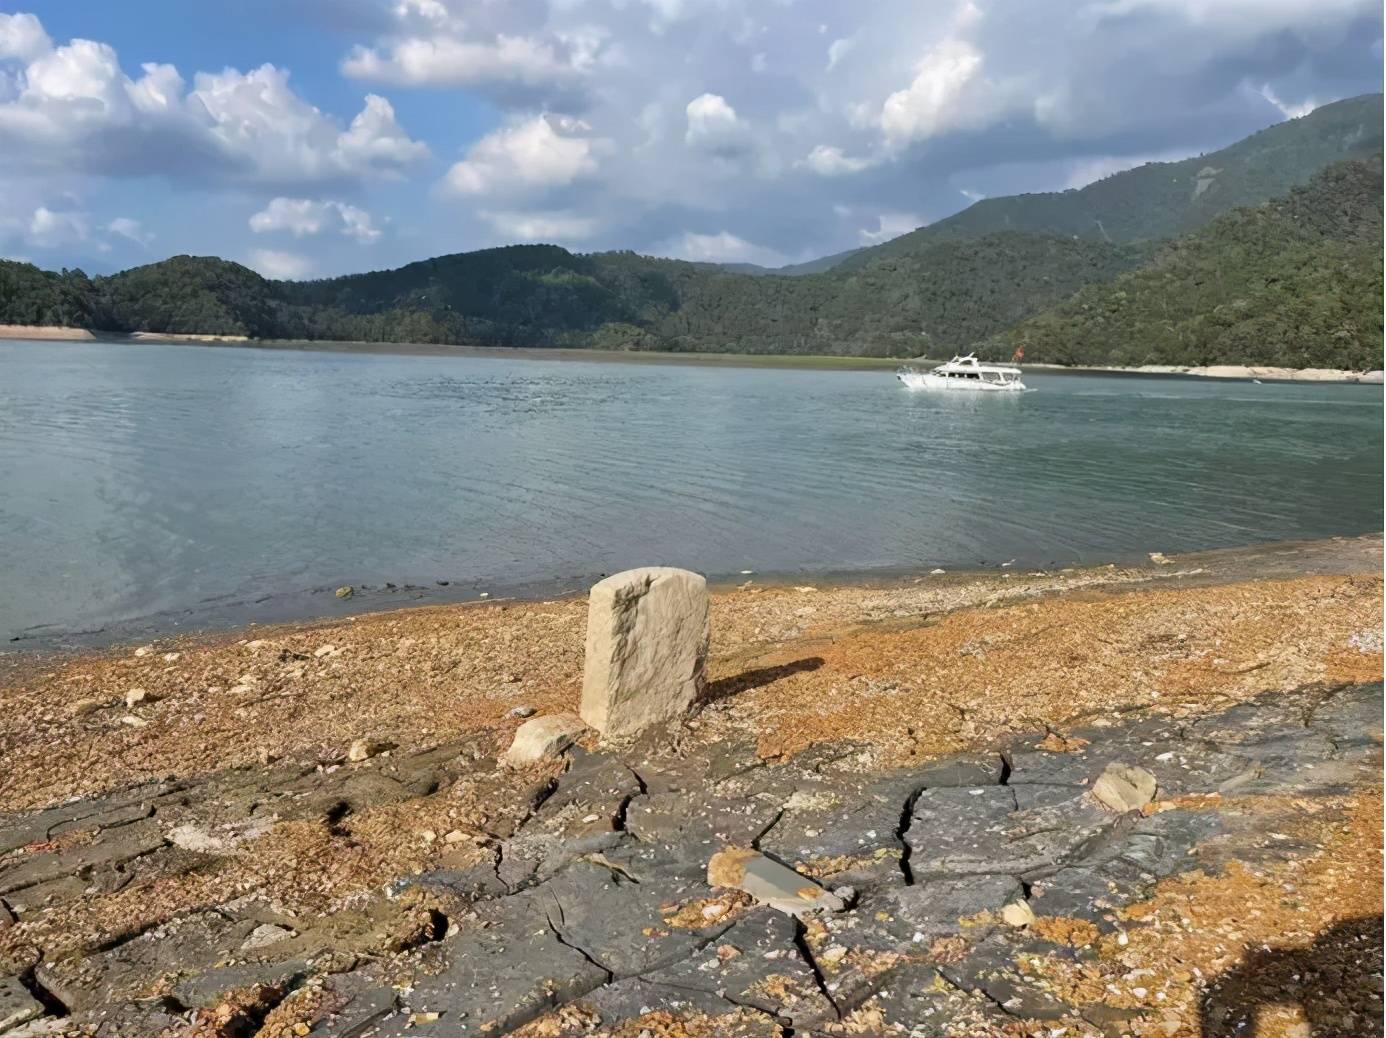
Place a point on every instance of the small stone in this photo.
(520, 711)
(365, 749)
(769, 882)
(936, 572)
(257, 643)
(134, 722)
(543, 737)
(325, 650)
(1018, 914)
(172, 657)
(144, 650)
(456, 836)
(137, 695)
(714, 911)
(85, 706)
(832, 955)
(1123, 788)
(267, 933)
(346, 591)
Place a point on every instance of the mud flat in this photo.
(190, 849)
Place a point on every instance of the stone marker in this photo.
(1124, 788)
(769, 882)
(647, 635)
(541, 737)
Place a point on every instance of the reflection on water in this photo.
(141, 478)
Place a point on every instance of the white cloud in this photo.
(540, 226)
(889, 225)
(130, 229)
(829, 161)
(280, 266)
(723, 247)
(710, 120)
(937, 99)
(1288, 109)
(531, 154)
(305, 216)
(22, 37)
(48, 229)
(72, 108)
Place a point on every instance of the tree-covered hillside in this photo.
(1164, 199)
(1292, 282)
(1296, 282)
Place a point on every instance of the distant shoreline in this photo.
(825, 362)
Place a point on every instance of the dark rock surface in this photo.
(598, 900)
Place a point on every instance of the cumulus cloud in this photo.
(530, 155)
(828, 160)
(48, 228)
(73, 108)
(303, 217)
(889, 225)
(722, 247)
(280, 266)
(130, 229)
(552, 226)
(22, 37)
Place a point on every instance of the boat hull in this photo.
(929, 381)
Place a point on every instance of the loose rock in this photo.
(346, 591)
(646, 649)
(137, 695)
(1018, 913)
(542, 737)
(769, 882)
(364, 749)
(1124, 788)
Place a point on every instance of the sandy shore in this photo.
(740, 360)
(45, 332)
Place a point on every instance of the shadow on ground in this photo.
(724, 688)
(1336, 981)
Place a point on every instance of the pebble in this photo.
(85, 706)
(456, 836)
(346, 591)
(144, 650)
(324, 650)
(134, 722)
(520, 711)
(1018, 914)
(136, 695)
(364, 749)
(170, 657)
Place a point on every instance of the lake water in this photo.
(184, 483)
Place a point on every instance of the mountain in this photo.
(1164, 199)
(1296, 282)
(814, 266)
(1001, 269)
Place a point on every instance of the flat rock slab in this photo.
(757, 963)
(499, 978)
(16, 1004)
(115, 846)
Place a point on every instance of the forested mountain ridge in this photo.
(942, 294)
(1164, 199)
(1296, 282)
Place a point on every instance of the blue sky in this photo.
(307, 138)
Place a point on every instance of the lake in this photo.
(165, 486)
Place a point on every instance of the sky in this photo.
(309, 138)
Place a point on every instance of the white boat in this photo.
(965, 373)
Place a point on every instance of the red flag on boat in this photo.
(1019, 355)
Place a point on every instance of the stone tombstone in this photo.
(647, 637)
